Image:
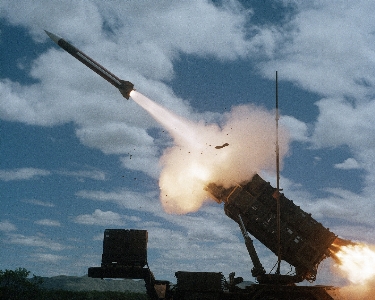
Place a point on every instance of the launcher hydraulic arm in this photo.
(258, 269)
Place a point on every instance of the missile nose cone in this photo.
(124, 86)
(53, 37)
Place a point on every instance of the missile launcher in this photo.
(304, 241)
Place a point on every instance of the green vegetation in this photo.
(16, 285)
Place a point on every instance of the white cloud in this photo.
(48, 222)
(348, 164)
(33, 173)
(102, 218)
(120, 138)
(141, 45)
(39, 202)
(321, 38)
(22, 174)
(343, 123)
(48, 257)
(342, 205)
(209, 241)
(91, 174)
(34, 241)
(360, 233)
(182, 26)
(193, 236)
(32, 15)
(297, 129)
(327, 48)
(148, 202)
(7, 226)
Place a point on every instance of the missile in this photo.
(125, 87)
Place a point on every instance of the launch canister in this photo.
(125, 87)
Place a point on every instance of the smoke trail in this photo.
(231, 153)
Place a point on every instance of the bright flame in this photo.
(357, 262)
(182, 192)
(197, 171)
(203, 153)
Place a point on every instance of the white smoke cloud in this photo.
(326, 47)
(203, 153)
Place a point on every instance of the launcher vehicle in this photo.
(298, 239)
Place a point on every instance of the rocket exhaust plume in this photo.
(202, 154)
(230, 153)
(226, 154)
(355, 260)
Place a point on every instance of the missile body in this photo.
(125, 87)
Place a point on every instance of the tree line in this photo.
(17, 285)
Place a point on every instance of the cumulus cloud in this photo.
(134, 144)
(187, 27)
(146, 50)
(148, 57)
(140, 201)
(318, 39)
(325, 47)
(99, 217)
(343, 123)
(297, 129)
(67, 91)
(211, 224)
(348, 164)
(342, 205)
(35, 241)
(328, 48)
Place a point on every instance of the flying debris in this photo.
(222, 146)
(125, 87)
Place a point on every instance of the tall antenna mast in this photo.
(277, 194)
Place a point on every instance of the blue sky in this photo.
(77, 158)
